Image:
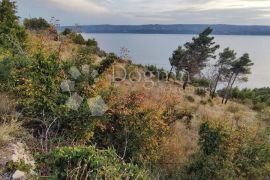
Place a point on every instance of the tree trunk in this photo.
(227, 98)
(228, 86)
(215, 87)
(169, 76)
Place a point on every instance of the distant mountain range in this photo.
(219, 29)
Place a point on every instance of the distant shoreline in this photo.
(188, 29)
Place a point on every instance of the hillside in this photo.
(69, 110)
(173, 115)
(219, 29)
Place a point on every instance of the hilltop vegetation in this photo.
(87, 114)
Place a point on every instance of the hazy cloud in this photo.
(149, 11)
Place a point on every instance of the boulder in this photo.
(15, 153)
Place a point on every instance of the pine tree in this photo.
(240, 67)
(224, 63)
(195, 54)
(200, 50)
(177, 60)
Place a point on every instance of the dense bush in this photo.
(12, 35)
(258, 95)
(229, 154)
(78, 39)
(159, 73)
(91, 42)
(201, 82)
(89, 163)
(36, 24)
(66, 31)
(36, 84)
(190, 98)
(134, 129)
(106, 63)
(200, 92)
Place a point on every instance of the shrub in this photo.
(9, 67)
(212, 161)
(90, 163)
(259, 107)
(258, 95)
(161, 74)
(91, 42)
(210, 102)
(190, 98)
(66, 31)
(78, 39)
(201, 82)
(229, 154)
(134, 129)
(36, 24)
(200, 92)
(37, 82)
(20, 165)
(106, 63)
(203, 102)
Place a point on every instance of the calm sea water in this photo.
(157, 48)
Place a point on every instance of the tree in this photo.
(12, 35)
(224, 63)
(177, 59)
(195, 54)
(199, 51)
(66, 31)
(36, 24)
(240, 68)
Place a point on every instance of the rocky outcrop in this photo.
(16, 162)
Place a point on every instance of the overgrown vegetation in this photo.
(86, 125)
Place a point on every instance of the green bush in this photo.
(90, 163)
(259, 107)
(159, 73)
(200, 92)
(201, 82)
(78, 39)
(258, 95)
(134, 129)
(36, 24)
(91, 42)
(106, 63)
(205, 102)
(229, 154)
(190, 98)
(66, 31)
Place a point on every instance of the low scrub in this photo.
(200, 92)
(89, 163)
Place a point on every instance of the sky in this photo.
(89, 12)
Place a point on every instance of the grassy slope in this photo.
(181, 141)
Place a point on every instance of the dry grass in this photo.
(9, 130)
(179, 145)
(9, 126)
(182, 141)
(6, 105)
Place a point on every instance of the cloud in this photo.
(151, 11)
(85, 6)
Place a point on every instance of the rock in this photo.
(18, 175)
(16, 152)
